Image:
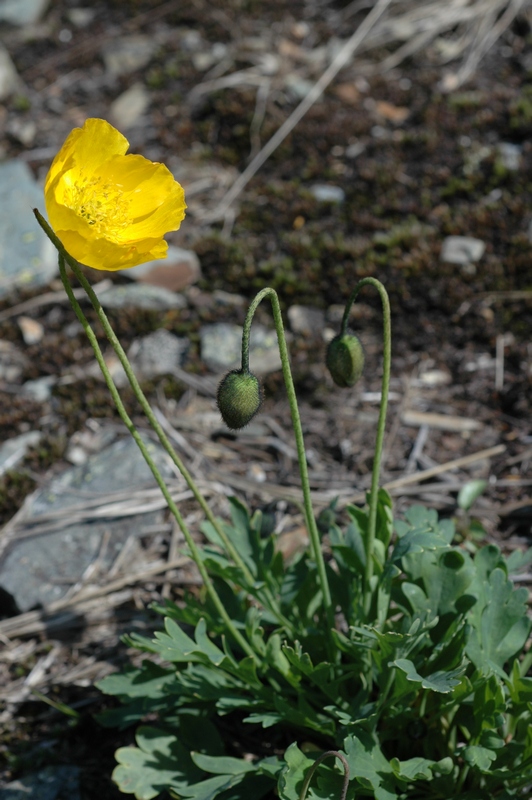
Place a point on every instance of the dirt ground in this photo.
(411, 163)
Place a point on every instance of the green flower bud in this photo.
(345, 359)
(239, 398)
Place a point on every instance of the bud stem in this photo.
(312, 770)
(300, 445)
(381, 425)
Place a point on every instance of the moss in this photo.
(15, 485)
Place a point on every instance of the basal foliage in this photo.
(425, 691)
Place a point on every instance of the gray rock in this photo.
(462, 250)
(22, 12)
(13, 451)
(510, 155)
(306, 321)
(129, 107)
(37, 570)
(27, 257)
(159, 353)
(10, 82)
(221, 348)
(324, 193)
(50, 783)
(179, 269)
(134, 295)
(128, 54)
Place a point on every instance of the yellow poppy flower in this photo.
(110, 210)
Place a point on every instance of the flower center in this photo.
(101, 204)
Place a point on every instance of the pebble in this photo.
(39, 390)
(325, 193)
(306, 321)
(128, 54)
(145, 296)
(128, 108)
(22, 131)
(158, 353)
(22, 12)
(510, 155)
(14, 450)
(13, 362)
(462, 250)
(221, 348)
(32, 331)
(181, 268)
(10, 82)
(40, 569)
(27, 257)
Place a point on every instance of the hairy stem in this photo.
(387, 356)
(312, 770)
(300, 445)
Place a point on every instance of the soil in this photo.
(429, 166)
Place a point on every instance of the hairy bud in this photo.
(239, 398)
(345, 359)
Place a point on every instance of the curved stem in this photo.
(122, 357)
(312, 770)
(237, 636)
(300, 445)
(387, 357)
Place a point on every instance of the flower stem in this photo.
(122, 357)
(312, 770)
(157, 475)
(387, 356)
(300, 445)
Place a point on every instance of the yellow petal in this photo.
(110, 256)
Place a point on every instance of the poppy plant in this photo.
(110, 210)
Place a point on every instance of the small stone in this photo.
(324, 193)
(179, 269)
(306, 321)
(510, 155)
(10, 81)
(81, 17)
(32, 331)
(354, 150)
(297, 87)
(221, 348)
(462, 250)
(157, 354)
(27, 257)
(39, 390)
(135, 295)
(128, 108)
(128, 54)
(22, 131)
(13, 362)
(22, 12)
(14, 450)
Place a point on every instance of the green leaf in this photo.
(440, 681)
(222, 765)
(469, 492)
(414, 769)
(157, 763)
(369, 766)
(293, 775)
(477, 756)
(500, 622)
